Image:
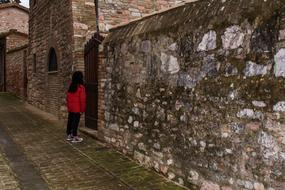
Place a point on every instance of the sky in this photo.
(25, 3)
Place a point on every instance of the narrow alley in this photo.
(35, 155)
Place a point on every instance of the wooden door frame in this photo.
(91, 56)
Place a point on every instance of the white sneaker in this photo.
(69, 138)
(77, 139)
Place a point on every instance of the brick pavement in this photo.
(8, 180)
(63, 165)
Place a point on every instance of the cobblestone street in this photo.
(35, 155)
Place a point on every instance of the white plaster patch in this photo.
(130, 120)
(173, 47)
(208, 185)
(233, 37)
(173, 65)
(171, 176)
(114, 127)
(136, 124)
(269, 147)
(169, 162)
(279, 58)
(169, 63)
(80, 26)
(258, 186)
(233, 95)
(250, 114)
(209, 41)
(90, 4)
(282, 155)
(281, 35)
(259, 104)
(141, 146)
(193, 176)
(279, 107)
(253, 69)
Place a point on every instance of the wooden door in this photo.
(91, 59)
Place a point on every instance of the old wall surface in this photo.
(14, 28)
(84, 26)
(197, 93)
(13, 18)
(15, 39)
(116, 12)
(15, 71)
(50, 27)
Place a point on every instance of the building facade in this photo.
(58, 32)
(13, 47)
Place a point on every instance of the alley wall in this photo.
(197, 93)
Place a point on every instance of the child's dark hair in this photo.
(77, 79)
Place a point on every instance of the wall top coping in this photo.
(12, 31)
(197, 15)
(18, 48)
(152, 14)
(14, 5)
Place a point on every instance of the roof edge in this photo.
(12, 31)
(18, 48)
(16, 5)
(152, 15)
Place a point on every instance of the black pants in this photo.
(72, 124)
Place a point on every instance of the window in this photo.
(34, 63)
(52, 62)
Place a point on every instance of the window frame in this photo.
(52, 66)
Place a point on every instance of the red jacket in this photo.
(76, 102)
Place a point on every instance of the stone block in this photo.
(209, 41)
(208, 185)
(279, 68)
(233, 37)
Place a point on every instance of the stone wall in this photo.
(197, 93)
(15, 13)
(117, 12)
(51, 25)
(15, 71)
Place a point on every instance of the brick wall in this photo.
(197, 93)
(13, 18)
(15, 39)
(116, 12)
(51, 25)
(84, 26)
(15, 75)
(101, 93)
(14, 27)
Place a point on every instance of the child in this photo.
(76, 104)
